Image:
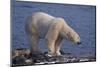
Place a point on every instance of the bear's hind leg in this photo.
(34, 42)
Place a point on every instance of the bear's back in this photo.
(42, 21)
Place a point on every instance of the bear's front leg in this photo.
(58, 46)
(51, 38)
(51, 48)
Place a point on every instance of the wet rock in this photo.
(62, 52)
(19, 60)
(38, 57)
(25, 57)
(87, 59)
(20, 52)
(28, 61)
(84, 60)
(19, 56)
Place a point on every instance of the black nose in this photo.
(79, 43)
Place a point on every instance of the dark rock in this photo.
(25, 57)
(62, 52)
(18, 60)
(38, 57)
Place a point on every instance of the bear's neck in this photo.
(67, 30)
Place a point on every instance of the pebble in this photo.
(82, 60)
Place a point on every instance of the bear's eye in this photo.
(71, 39)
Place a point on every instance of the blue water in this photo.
(80, 18)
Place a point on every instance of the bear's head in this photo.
(74, 37)
(69, 33)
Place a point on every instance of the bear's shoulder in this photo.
(59, 20)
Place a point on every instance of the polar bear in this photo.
(52, 29)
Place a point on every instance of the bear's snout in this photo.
(79, 43)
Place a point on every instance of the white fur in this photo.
(53, 29)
